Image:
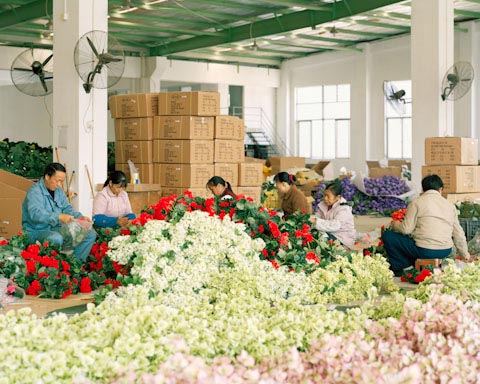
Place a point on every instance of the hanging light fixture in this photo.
(48, 33)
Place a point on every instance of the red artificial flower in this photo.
(275, 264)
(68, 292)
(85, 285)
(249, 199)
(380, 243)
(331, 242)
(65, 266)
(231, 213)
(107, 232)
(34, 288)
(20, 233)
(284, 239)
(125, 231)
(31, 267)
(54, 253)
(308, 238)
(224, 204)
(43, 275)
(3, 242)
(312, 258)
(265, 253)
(45, 244)
(114, 283)
(298, 233)
(188, 193)
(274, 229)
(403, 279)
(366, 252)
(423, 275)
(221, 215)
(261, 228)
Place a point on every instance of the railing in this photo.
(256, 120)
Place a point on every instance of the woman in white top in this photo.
(334, 216)
(111, 206)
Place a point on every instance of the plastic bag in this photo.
(474, 245)
(74, 232)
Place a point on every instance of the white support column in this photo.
(432, 54)
(79, 119)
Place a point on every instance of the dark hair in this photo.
(215, 180)
(432, 182)
(116, 177)
(51, 168)
(285, 177)
(335, 187)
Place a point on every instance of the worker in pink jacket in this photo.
(334, 216)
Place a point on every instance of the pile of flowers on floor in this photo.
(207, 305)
(379, 196)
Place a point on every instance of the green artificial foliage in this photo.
(24, 159)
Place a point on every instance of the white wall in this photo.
(366, 71)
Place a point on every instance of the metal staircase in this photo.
(261, 139)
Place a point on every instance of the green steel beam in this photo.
(31, 11)
(463, 12)
(363, 33)
(237, 62)
(139, 27)
(391, 15)
(300, 3)
(247, 55)
(327, 39)
(472, 1)
(280, 52)
(151, 40)
(161, 19)
(314, 47)
(234, 5)
(404, 28)
(14, 2)
(272, 26)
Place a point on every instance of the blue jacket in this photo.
(40, 212)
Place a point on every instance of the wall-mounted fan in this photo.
(457, 81)
(394, 97)
(99, 60)
(32, 72)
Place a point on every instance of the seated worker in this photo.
(220, 188)
(427, 229)
(334, 216)
(292, 199)
(46, 207)
(111, 206)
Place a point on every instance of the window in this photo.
(323, 121)
(398, 126)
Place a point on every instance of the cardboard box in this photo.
(139, 151)
(254, 160)
(227, 171)
(183, 151)
(186, 175)
(400, 163)
(229, 151)
(13, 189)
(456, 178)
(310, 187)
(142, 196)
(157, 172)
(451, 151)
(145, 171)
(250, 174)
(325, 169)
(197, 103)
(134, 105)
(137, 128)
(461, 197)
(229, 127)
(283, 164)
(179, 191)
(374, 173)
(183, 127)
(254, 192)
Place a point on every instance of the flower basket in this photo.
(470, 227)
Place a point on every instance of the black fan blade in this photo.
(106, 58)
(47, 60)
(92, 46)
(23, 69)
(42, 80)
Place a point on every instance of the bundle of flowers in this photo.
(429, 343)
(44, 270)
(379, 196)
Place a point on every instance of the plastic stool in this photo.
(422, 263)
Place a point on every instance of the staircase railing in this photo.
(257, 120)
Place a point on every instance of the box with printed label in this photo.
(254, 192)
(228, 172)
(196, 103)
(456, 178)
(250, 174)
(138, 128)
(179, 191)
(134, 105)
(183, 151)
(186, 175)
(229, 151)
(145, 172)
(183, 127)
(451, 151)
(283, 164)
(229, 127)
(139, 151)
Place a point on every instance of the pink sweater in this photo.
(106, 203)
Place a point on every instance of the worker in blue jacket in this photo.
(46, 207)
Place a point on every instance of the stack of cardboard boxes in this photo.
(455, 160)
(185, 141)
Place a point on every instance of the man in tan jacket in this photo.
(428, 231)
